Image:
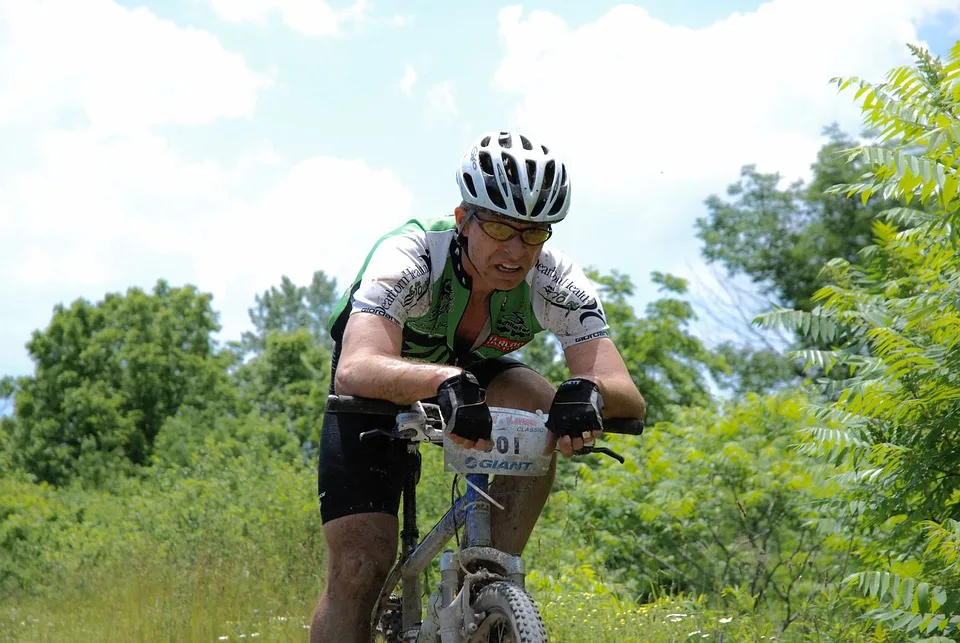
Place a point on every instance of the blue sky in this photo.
(225, 143)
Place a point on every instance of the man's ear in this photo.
(459, 213)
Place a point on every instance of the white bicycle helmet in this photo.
(509, 174)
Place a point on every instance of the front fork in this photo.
(457, 619)
(478, 562)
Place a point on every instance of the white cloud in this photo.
(117, 68)
(313, 219)
(100, 215)
(309, 17)
(652, 118)
(107, 202)
(409, 78)
(441, 101)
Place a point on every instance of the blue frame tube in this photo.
(432, 544)
(478, 512)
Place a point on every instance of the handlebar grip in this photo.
(375, 406)
(365, 405)
(623, 426)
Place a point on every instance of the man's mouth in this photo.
(509, 268)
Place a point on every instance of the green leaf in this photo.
(923, 597)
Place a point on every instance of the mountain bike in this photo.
(481, 595)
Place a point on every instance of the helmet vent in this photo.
(561, 193)
(468, 181)
(541, 202)
(486, 163)
(518, 202)
(493, 192)
(485, 141)
(559, 203)
(527, 145)
(510, 165)
(505, 140)
(531, 172)
(548, 175)
(544, 148)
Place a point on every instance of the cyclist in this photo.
(432, 314)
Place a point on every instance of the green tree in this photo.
(289, 381)
(893, 317)
(8, 385)
(753, 369)
(288, 308)
(781, 237)
(108, 375)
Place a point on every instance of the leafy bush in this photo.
(893, 320)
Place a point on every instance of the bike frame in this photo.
(471, 510)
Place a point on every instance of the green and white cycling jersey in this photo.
(413, 276)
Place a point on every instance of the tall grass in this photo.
(146, 602)
(230, 548)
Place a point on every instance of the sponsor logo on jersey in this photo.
(444, 301)
(502, 343)
(417, 290)
(381, 312)
(560, 298)
(564, 292)
(407, 277)
(513, 324)
(600, 333)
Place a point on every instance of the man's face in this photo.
(499, 265)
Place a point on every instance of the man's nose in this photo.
(516, 247)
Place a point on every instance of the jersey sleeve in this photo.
(565, 302)
(395, 283)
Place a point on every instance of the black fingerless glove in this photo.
(577, 407)
(463, 405)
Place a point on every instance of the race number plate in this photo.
(519, 438)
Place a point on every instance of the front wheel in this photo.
(511, 616)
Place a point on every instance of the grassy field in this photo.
(231, 549)
(228, 603)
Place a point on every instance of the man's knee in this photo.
(521, 388)
(360, 549)
(357, 574)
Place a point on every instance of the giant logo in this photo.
(496, 465)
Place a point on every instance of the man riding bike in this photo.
(432, 314)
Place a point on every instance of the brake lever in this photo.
(390, 433)
(602, 450)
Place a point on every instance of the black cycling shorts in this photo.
(359, 477)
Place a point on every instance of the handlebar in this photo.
(371, 406)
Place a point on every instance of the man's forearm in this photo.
(395, 379)
(621, 399)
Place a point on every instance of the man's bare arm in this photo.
(370, 364)
(600, 361)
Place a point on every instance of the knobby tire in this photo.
(511, 616)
